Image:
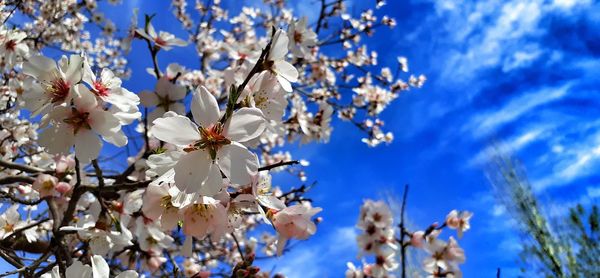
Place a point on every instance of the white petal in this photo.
(191, 171)
(237, 163)
(100, 268)
(245, 124)
(213, 183)
(128, 274)
(177, 130)
(205, 107)
(285, 85)
(84, 99)
(77, 269)
(57, 140)
(74, 72)
(38, 66)
(287, 70)
(87, 145)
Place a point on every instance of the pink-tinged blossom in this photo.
(81, 125)
(211, 147)
(206, 216)
(459, 221)
(55, 81)
(162, 39)
(294, 222)
(45, 185)
(12, 47)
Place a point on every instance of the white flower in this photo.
(459, 221)
(210, 146)
(301, 38)
(55, 81)
(98, 269)
(108, 88)
(265, 94)
(205, 217)
(276, 63)
(158, 204)
(166, 97)
(12, 47)
(9, 221)
(163, 39)
(294, 222)
(80, 125)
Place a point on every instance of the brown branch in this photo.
(22, 167)
(402, 232)
(278, 164)
(15, 179)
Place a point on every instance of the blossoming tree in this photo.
(188, 192)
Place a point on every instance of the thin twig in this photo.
(278, 164)
(402, 231)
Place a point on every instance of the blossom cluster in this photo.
(189, 185)
(380, 238)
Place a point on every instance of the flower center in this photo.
(9, 227)
(165, 202)
(211, 139)
(10, 45)
(100, 89)
(159, 41)
(297, 37)
(78, 120)
(59, 89)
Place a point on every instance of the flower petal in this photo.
(245, 124)
(87, 145)
(177, 130)
(237, 163)
(191, 171)
(205, 107)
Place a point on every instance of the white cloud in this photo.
(488, 122)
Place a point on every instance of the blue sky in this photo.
(521, 72)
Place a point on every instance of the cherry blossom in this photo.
(162, 39)
(276, 63)
(166, 97)
(301, 38)
(80, 126)
(293, 222)
(211, 146)
(55, 82)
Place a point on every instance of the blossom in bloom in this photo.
(264, 93)
(211, 147)
(158, 204)
(9, 221)
(459, 221)
(276, 63)
(56, 81)
(301, 38)
(107, 87)
(294, 222)
(162, 39)
(45, 185)
(207, 216)
(166, 97)
(80, 125)
(12, 47)
(444, 256)
(385, 262)
(98, 269)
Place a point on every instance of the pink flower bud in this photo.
(63, 187)
(417, 239)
